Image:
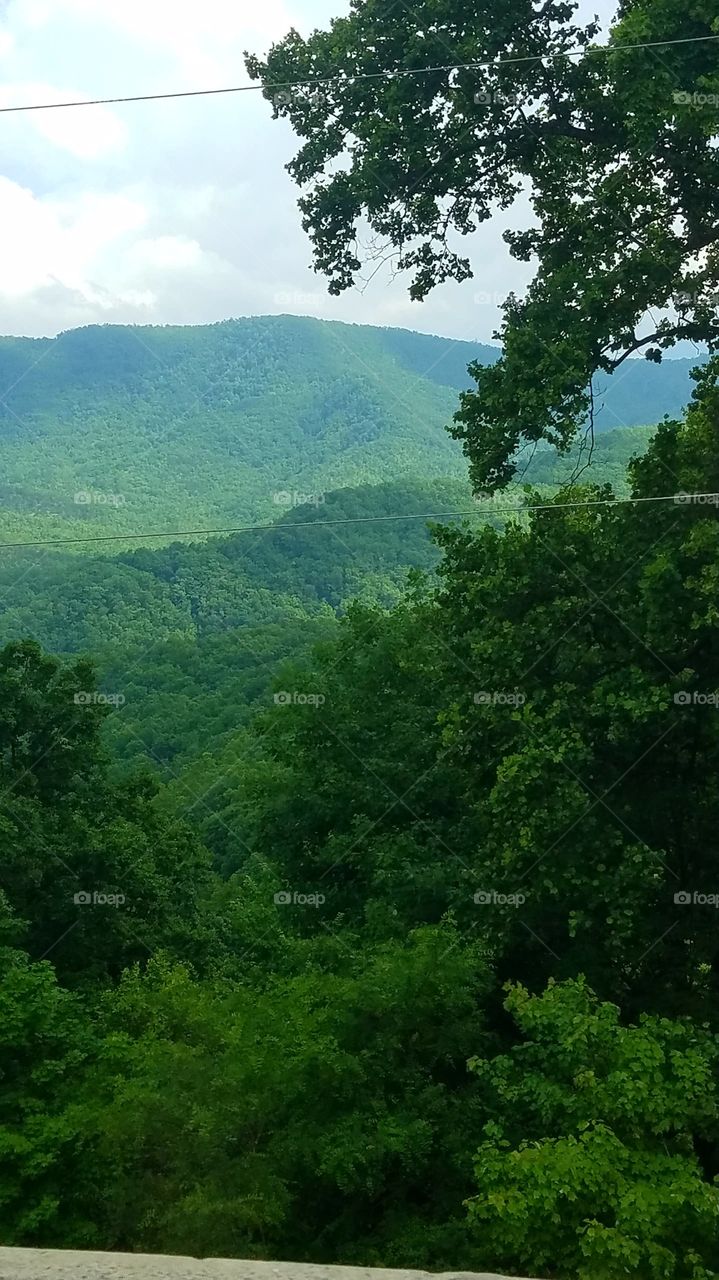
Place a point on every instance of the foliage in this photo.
(119, 429)
(45, 1044)
(253, 1006)
(587, 1167)
(542, 724)
(92, 872)
(315, 1121)
(617, 149)
(267, 1040)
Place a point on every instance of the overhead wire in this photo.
(350, 78)
(679, 499)
(581, 52)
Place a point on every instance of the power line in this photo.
(680, 499)
(581, 52)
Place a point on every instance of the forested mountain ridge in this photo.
(189, 427)
(190, 635)
(309, 565)
(118, 428)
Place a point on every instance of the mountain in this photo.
(640, 393)
(190, 636)
(310, 560)
(112, 429)
(72, 604)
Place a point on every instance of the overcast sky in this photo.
(174, 212)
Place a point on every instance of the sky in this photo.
(177, 212)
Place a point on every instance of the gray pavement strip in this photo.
(72, 1264)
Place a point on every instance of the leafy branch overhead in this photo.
(615, 148)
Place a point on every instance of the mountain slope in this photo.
(76, 604)
(639, 394)
(188, 638)
(120, 428)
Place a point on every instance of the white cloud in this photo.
(48, 241)
(87, 132)
(29, 241)
(163, 252)
(177, 211)
(95, 221)
(204, 39)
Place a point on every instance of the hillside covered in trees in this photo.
(360, 870)
(256, 1005)
(120, 428)
(189, 635)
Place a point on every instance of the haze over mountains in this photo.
(120, 428)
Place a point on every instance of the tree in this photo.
(46, 1043)
(322, 1114)
(616, 147)
(93, 873)
(350, 796)
(594, 794)
(543, 727)
(588, 1168)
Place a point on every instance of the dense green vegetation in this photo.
(277, 1028)
(117, 429)
(359, 882)
(190, 636)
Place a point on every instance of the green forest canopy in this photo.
(189, 636)
(405, 951)
(334, 889)
(115, 429)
